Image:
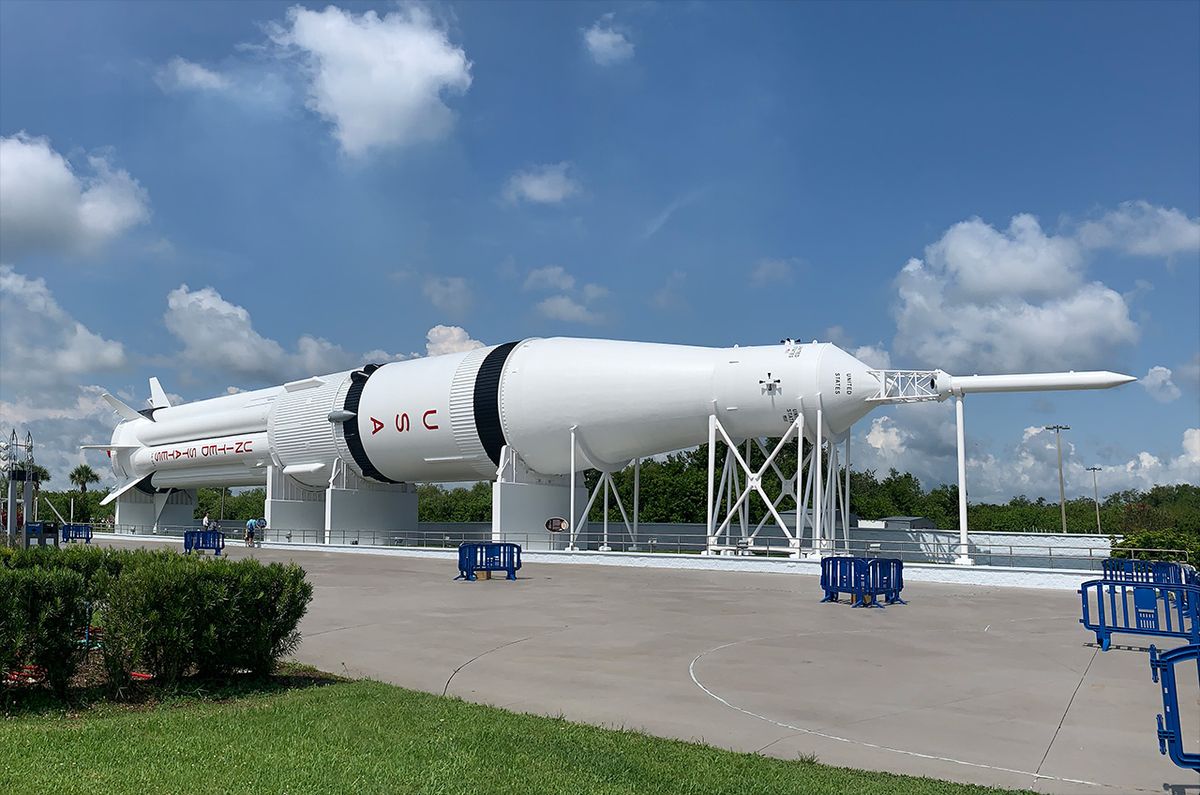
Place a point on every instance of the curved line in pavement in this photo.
(863, 743)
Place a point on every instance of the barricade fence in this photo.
(1061, 555)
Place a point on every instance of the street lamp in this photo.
(1062, 491)
(1095, 495)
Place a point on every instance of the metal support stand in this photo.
(817, 507)
(963, 559)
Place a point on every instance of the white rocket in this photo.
(447, 418)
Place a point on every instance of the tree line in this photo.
(674, 489)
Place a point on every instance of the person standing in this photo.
(206, 523)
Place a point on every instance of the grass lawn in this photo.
(362, 736)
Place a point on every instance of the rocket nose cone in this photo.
(846, 383)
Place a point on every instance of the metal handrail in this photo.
(932, 550)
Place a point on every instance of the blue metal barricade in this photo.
(488, 556)
(203, 539)
(1171, 611)
(77, 532)
(1170, 736)
(1160, 572)
(863, 580)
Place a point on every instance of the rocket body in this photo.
(446, 418)
(560, 403)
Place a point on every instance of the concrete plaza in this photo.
(989, 685)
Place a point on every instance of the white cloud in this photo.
(180, 74)
(985, 263)
(771, 271)
(1142, 229)
(985, 300)
(451, 294)
(449, 339)
(563, 307)
(920, 439)
(41, 344)
(553, 277)
(45, 206)
(1189, 372)
(547, 184)
(659, 221)
(1157, 381)
(219, 336)
(874, 355)
(380, 81)
(886, 437)
(605, 43)
(594, 292)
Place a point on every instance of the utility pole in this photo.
(1095, 495)
(1062, 491)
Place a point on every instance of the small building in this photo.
(907, 523)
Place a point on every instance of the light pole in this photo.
(1095, 495)
(1062, 491)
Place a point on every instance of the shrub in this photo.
(1171, 545)
(149, 616)
(51, 603)
(271, 600)
(12, 621)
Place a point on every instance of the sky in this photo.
(233, 195)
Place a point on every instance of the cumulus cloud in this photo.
(380, 81)
(553, 277)
(547, 184)
(566, 308)
(46, 360)
(770, 272)
(874, 355)
(451, 294)
(47, 206)
(43, 345)
(990, 300)
(219, 337)
(180, 74)
(1157, 381)
(605, 43)
(886, 437)
(449, 339)
(1141, 229)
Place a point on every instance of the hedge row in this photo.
(160, 612)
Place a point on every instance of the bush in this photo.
(149, 617)
(163, 613)
(50, 604)
(12, 621)
(1169, 545)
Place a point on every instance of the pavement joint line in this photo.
(863, 743)
(1070, 701)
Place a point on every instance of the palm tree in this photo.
(82, 475)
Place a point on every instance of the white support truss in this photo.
(905, 386)
(820, 497)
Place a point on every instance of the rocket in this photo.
(559, 403)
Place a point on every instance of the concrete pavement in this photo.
(995, 686)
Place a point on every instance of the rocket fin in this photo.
(112, 495)
(158, 396)
(124, 411)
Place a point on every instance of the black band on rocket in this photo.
(358, 380)
(487, 401)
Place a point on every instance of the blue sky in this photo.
(234, 194)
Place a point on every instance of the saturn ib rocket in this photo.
(560, 404)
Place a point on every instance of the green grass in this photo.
(364, 737)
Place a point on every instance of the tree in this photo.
(82, 475)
